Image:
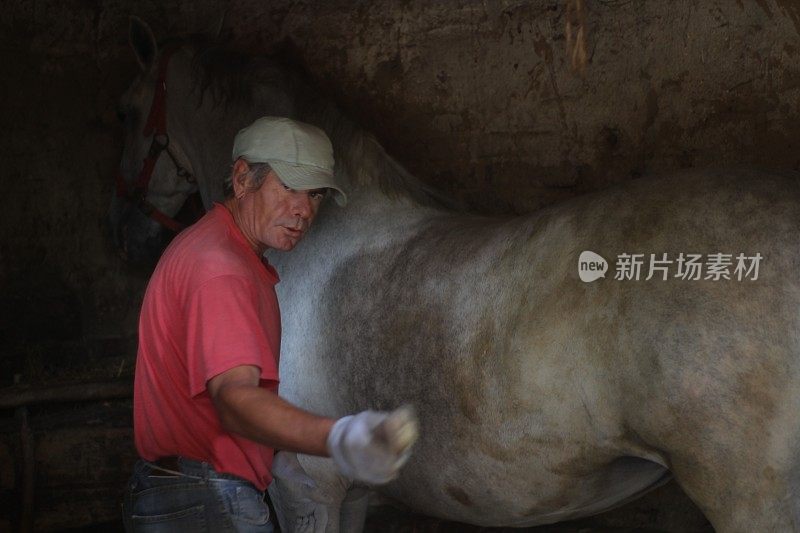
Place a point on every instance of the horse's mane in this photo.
(231, 78)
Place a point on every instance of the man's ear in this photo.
(240, 178)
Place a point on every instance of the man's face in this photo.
(275, 216)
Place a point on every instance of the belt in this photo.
(171, 462)
(191, 467)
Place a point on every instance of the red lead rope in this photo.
(156, 126)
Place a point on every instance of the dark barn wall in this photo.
(475, 97)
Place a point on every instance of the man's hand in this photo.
(372, 446)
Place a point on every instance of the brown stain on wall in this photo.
(792, 10)
(543, 48)
(765, 6)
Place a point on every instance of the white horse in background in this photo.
(541, 397)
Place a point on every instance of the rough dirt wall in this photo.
(478, 97)
(475, 97)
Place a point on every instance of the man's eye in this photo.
(317, 195)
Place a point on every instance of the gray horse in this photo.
(541, 397)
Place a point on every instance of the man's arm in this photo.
(369, 446)
(246, 409)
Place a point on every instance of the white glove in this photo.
(372, 446)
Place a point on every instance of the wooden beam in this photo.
(19, 395)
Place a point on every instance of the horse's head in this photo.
(155, 177)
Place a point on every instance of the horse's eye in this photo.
(121, 114)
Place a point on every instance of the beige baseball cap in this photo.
(301, 154)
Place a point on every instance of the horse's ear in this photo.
(143, 42)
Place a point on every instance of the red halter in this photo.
(156, 126)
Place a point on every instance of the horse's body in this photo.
(541, 397)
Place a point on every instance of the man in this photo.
(207, 416)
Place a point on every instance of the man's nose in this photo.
(302, 206)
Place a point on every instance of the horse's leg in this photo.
(308, 494)
(739, 494)
(733, 444)
(353, 513)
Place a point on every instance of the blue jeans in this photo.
(195, 499)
